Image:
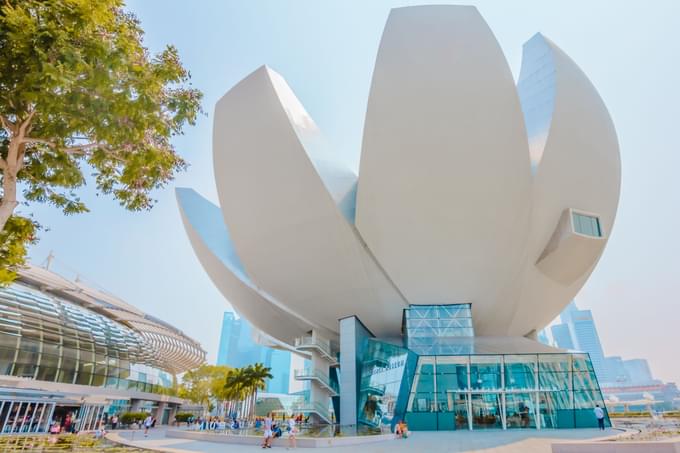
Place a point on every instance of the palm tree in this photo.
(235, 385)
(242, 384)
(256, 379)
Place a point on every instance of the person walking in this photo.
(147, 424)
(292, 433)
(114, 421)
(267, 432)
(599, 414)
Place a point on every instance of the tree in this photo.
(79, 90)
(200, 384)
(17, 234)
(242, 384)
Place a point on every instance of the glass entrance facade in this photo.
(529, 391)
(440, 379)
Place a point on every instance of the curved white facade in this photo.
(470, 190)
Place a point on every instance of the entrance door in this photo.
(486, 411)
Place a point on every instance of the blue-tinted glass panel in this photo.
(556, 409)
(588, 225)
(520, 372)
(520, 410)
(485, 372)
(486, 411)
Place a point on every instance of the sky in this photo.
(325, 50)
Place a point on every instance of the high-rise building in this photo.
(238, 349)
(616, 370)
(638, 371)
(562, 336)
(582, 336)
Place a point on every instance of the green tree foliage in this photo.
(128, 418)
(79, 91)
(203, 383)
(245, 382)
(18, 233)
(182, 417)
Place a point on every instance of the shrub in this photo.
(183, 416)
(129, 418)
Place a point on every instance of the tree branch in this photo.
(80, 149)
(7, 124)
(24, 124)
(42, 141)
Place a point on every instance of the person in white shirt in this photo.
(599, 414)
(147, 424)
(292, 433)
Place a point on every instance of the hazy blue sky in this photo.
(325, 50)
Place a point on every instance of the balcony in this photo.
(310, 374)
(322, 346)
(317, 408)
(378, 390)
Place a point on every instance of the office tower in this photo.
(238, 349)
(582, 336)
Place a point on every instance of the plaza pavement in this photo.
(495, 441)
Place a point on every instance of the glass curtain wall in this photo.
(527, 391)
(49, 339)
(384, 383)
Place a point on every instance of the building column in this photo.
(159, 412)
(353, 336)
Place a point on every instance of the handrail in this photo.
(320, 343)
(310, 373)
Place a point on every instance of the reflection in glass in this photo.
(520, 410)
(485, 372)
(520, 372)
(486, 410)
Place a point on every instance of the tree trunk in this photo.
(9, 198)
(9, 181)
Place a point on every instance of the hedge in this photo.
(183, 416)
(129, 418)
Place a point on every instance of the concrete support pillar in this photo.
(353, 337)
(135, 405)
(159, 412)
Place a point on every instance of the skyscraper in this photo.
(238, 349)
(582, 336)
(617, 370)
(638, 371)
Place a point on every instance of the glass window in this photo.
(588, 225)
(66, 376)
(46, 373)
(452, 373)
(486, 411)
(520, 372)
(582, 362)
(520, 410)
(556, 409)
(585, 380)
(485, 372)
(421, 402)
(554, 381)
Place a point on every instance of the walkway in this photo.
(433, 441)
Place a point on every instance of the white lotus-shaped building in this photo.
(471, 189)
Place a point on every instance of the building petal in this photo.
(212, 244)
(575, 156)
(286, 202)
(444, 188)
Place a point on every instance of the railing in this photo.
(374, 389)
(323, 346)
(316, 407)
(304, 374)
